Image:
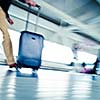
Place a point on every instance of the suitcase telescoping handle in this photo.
(38, 13)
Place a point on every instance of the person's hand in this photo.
(10, 21)
(30, 2)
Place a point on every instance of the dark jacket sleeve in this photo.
(22, 1)
(7, 15)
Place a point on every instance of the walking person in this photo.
(7, 44)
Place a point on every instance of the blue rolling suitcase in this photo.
(30, 50)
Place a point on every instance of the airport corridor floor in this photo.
(47, 85)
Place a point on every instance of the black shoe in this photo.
(94, 72)
(14, 65)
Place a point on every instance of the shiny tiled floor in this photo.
(47, 85)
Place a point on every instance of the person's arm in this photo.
(29, 2)
(9, 19)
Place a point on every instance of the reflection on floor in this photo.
(47, 85)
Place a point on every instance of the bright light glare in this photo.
(52, 51)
